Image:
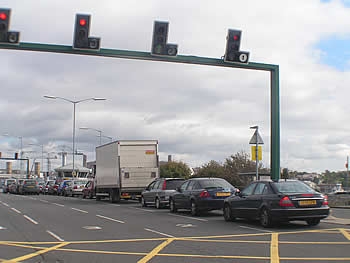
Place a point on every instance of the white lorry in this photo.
(124, 168)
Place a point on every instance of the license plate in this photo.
(307, 202)
(223, 194)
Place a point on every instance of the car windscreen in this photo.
(173, 184)
(289, 187)
(215, 183)
(10, 182)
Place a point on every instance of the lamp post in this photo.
(74, 106)
(99, 132)
(21, 145)
(42, 155)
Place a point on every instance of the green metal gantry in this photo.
(139, 55)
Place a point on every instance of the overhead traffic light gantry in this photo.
(233, 42)
(81, 34)
(7, 37)
(160, 47)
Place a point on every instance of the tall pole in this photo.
(42, 158)
(347, 175)
(256, 155)
(100, 134)
(73, 171)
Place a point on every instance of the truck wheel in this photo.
(98, 198)
(114, 196)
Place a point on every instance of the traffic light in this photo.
(7, 37)
(16, 155)
(159, 41)
(233, 42)
(81, 34)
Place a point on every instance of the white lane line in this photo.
(5, 204)
(160, 233)
(44, 201)
(112, 219)
(14, 209)
(30, 219)
(58, 204)
(79, 210)
(147, 210)
(113, 204)
(54, 235)
(188, 217)
(256, 229)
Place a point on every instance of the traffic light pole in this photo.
(139, 55)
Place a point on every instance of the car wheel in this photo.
(172, 206)
(143, 202)
(265, 218)
(157, 202)
(194, 209)
(228, 213)
(313, 221)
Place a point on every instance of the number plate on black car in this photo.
(223, 194)
(307, 202)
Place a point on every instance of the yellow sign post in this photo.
(254, 153)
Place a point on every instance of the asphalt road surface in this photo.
(64, 229)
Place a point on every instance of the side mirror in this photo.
(238, 193)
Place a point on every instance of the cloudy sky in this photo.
(197, 113)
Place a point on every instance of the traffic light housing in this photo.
(160, 47)
(16, 155)
(7, 37)
(233, 42)
(81, 34)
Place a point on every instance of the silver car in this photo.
(158, 192)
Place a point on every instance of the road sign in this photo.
(256, 138)
(254, 153)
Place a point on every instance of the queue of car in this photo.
(268, 201)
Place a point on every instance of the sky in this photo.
(197, 113)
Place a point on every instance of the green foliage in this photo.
(334, 177)
(175, 169)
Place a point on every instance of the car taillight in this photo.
(325, 201)
(285, 202)
(204, 194)
(75, 187)
(164, 185)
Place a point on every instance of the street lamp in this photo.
(99, 131)
(74, 103)
(21, 143)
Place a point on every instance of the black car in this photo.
(158, 192)
(272, 202)
(201, 194)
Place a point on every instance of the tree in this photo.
(175, 169)
(211, 169)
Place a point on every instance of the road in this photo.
(64, 229)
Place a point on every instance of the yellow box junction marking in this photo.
(274, 255)
(345, 233)
(155, 251)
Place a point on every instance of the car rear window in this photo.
(30, 182)
(173, 184)
(215, 183)
(287, 187)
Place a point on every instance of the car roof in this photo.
(205, 178)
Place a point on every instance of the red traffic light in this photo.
(82, 22)
(3, 16)
(235, 37)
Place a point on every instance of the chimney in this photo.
(169, 158)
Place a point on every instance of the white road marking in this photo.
(5, 204)
(112, 219)
(44, 201)
(2, 228)
(54, 235)
(113, 204)
(14, 209)
(30, 219)
(160, 233)
(188, 217)
(185, 225)
(252, 228)
(92, 227)
(147, 210)
(58, 204)
(76, 209)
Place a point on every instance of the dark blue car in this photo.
(201, 195)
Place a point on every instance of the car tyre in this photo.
(172, 206)
(143, 202)
(228, 215)
(194, 208)
(157, 202)
(265, 218)
(313, 221)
